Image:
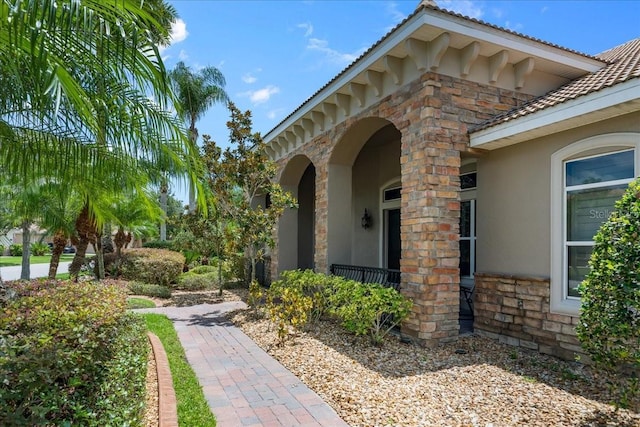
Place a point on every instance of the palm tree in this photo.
(196, 92)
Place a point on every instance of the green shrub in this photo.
(15, 249)
(148, 265)
(138, 288)
(1, 250)
(196, 282)
(368, 308)
(204, 269)
(39, 249)
(159, 244)
(71, 355)
(297, 298)
(609, 327)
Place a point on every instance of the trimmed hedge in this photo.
(196, 282)
(137, 288)
(70, 354)
(148, 265)
(158, 244)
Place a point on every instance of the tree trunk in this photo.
(193, 134)
(164, 190)
(59, 242)
(87, 233)
(99, 258)
(119, 240)
(26, 251)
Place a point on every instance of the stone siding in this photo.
(515, 310)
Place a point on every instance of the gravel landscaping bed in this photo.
(474, 382)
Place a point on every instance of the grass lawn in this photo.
(8, 261)
(139, 303)
(193, 409)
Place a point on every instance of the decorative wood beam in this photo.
(437, 48)
(330, 111)
(393, 65)
(344, 103)
(318, 118)
(496, 64)
(307, 124)
(270, 152)
(468, 56)
(285, 143)
(299, 132)
(417, 50)
(522, 70)
(358, 91)
(374, 78)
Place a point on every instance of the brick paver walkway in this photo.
(242, 383)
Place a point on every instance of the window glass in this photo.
(588, 209)
(468, 181)
(392, 194)
(465, 258)
(609, 167)
(465, 219)
(578, 257)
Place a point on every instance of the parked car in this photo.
(69, 250)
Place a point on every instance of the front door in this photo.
(393, 238)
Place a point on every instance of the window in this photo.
(467, 243)
(587, 178)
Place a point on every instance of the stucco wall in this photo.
(377, 164)
(513, 205)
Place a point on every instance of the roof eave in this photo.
(622, 98)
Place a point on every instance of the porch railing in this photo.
(384, 276)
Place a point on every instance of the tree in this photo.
(609, 327)
(237, 178)
(196, 92)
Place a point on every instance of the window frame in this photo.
(560, 301)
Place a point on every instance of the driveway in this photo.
(37, 270)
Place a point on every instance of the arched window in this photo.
(587, 178)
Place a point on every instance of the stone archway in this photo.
(296, 228)
(366, 155)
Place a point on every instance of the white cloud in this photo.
(178, 31)
(248, 78)
(513, 27)
(261, 96)
(307, 27)
(544, 9)
(465, 7)
(332, 55)
(274, 114)
(183, 56)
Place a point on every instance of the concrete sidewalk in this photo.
(242, 383)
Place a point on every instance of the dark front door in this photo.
(393, 239)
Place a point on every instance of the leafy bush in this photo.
(368, 308)
(190, 281)
(1, 250)
(609, 327)
(15, 249)
(148, 265)
(70, 354)
(299, 297)
(159, 244)
(39, 249)
(137, 288)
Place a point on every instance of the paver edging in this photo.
(167, 404)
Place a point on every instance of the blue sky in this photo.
(276, 54)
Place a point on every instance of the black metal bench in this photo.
(384, 276)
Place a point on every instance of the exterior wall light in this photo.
(366, 220)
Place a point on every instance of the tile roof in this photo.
(427, 6)
(624, 65)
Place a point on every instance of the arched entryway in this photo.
(365, 159)
(296, 229)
